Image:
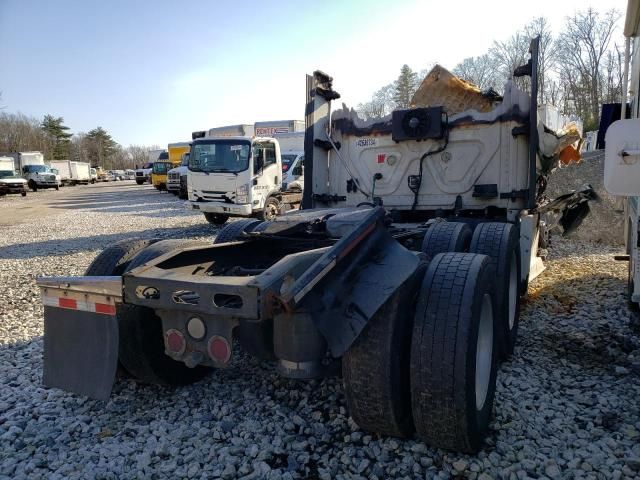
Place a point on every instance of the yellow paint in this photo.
(159, 180)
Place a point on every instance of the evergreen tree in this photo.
(405, 87)
(100, 146)
(57, 135)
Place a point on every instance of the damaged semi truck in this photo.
(404, 271)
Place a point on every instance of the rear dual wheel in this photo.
(431, 368)
(141, 337)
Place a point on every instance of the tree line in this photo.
(21, 133)
(579, 69)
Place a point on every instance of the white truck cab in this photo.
(236, 176)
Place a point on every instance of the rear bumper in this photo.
(221, 207)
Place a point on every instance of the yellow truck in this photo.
(166, 162)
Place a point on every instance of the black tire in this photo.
(216, 218)
(57, 187)
(24, 194)
(139, 182)
(234, 230)
(115, 259)
(270, 210)
(444, 237)
(141, 348)
(501, 243)
(32, 185)
(375, 369)
(454, 306)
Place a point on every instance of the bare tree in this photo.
(583, 47)
(509, 54)
(481, 71)
(382, 103)
(547, 55)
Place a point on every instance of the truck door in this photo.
(267, 172)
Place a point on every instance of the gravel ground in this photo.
(567, 404)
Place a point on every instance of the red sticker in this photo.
(67, 303)
(381, 157)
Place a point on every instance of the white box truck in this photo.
(34, 171)
(292, 153)
(274, 127)
(10, 181)
(80, 173)
(64, 170)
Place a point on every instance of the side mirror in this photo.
(298, 171)
(622, 158)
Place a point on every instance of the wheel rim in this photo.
(270, 211)
(484, 351)
(513, 290)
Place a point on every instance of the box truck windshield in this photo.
(220, 156)
(36, 169)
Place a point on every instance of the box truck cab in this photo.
(237, 176)
(173, 159)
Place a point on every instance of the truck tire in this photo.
(57, 187)
(375, 368)
(24, 194)
(33, 185)
(270, 210)
(453, 359)
(501, 243)
(141, 347)
(139, 182)
(234, 230)
(444, 237)
(216, 218)
(115, 259)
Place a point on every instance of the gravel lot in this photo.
(567, 404)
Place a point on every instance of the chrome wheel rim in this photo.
(484, 351)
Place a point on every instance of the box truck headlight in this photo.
(242, 194)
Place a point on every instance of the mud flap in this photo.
(80, 351)
(344, 303)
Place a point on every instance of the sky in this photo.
(151, 72)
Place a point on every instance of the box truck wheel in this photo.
(57, 187)
(216, 218)
(114, 259)
(139, 182)
(24, 194)
(234, 230)
(141, 342)
(33, 185)
(501, 243)
(444, 237)
(453, 359)
(270, 210)
(375, 368)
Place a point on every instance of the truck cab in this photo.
(235, 176)
(159, 171)
(40, 176)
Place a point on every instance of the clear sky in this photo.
(151, 72)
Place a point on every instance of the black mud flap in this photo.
(344, 303)
(80, 351)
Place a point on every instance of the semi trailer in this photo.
(403, 271)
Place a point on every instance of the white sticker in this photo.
(366, 142)
(235, 147)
